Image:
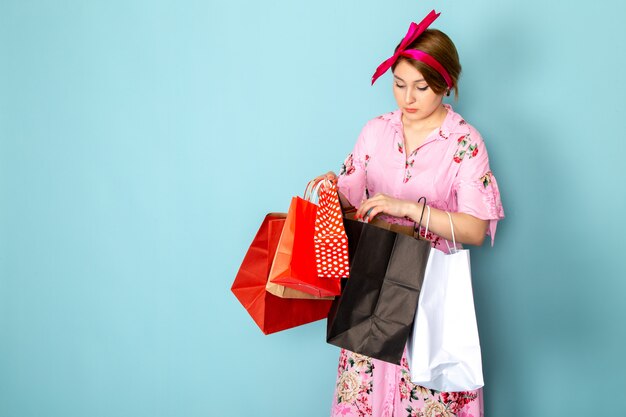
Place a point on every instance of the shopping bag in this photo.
(330, 240)
(271, 313)
(350, 213)
(294, 264)
(275, 231)
(444, 348)
(374, 314)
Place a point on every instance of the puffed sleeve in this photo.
(351, 181)
(475, 185)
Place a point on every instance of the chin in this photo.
(412, 116)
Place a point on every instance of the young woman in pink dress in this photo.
(424, 149)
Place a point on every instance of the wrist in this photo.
(414, 211)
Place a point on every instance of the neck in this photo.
(434, 120)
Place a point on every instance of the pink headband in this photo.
(415, 30)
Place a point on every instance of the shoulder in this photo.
(380, 128)
(465, 141)
(455, 126)
(384, 122)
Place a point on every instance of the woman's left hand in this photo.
(382, 203)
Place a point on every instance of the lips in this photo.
(406, 109)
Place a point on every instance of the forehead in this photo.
(407, 72)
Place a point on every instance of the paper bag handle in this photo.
(313, 188)
(427, 223)
(453, 249)
(419, 225)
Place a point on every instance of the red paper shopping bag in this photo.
(271, 313)
(294, 264)
(331, 242)
(275, 230)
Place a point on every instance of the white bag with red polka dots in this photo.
(331, 242)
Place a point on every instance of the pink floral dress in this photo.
(451, 169)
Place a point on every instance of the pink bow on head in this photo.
(415, 30)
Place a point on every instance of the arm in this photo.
(477, 206)
(467, 228)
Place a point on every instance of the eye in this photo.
(422, 88)
(400, 86)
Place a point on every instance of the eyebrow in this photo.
(416, 81)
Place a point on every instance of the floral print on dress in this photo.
(367, 191)
(347, 167)
(465, 148)
(409, 163)
(355, 387)
(407, 171)
(435, 403)
(430, 236)
(486, 179)
(447, 185)
(435, 240)
(354, 384)
(413, 412)
(480, 194)
(443, 135)
(490, 194)
(407, 175)
(409, 390)
(348, 387)
(455, 401)
(436, 409)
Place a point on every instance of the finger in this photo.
(370, 209)
(371, 213)
(363, 208)
(360, 211)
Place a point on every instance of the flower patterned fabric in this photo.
(451, 169)
(370, 387)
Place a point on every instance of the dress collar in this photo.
(453, 124)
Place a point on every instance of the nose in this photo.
(409, 96)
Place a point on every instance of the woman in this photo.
(422, 149)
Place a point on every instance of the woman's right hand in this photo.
(330, 175)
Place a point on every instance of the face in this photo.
(413, 95)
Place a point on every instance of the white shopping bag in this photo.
(444, 350)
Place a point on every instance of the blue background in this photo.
(141, 144)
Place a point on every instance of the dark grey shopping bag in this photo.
(375, 312)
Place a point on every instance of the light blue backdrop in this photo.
(141, 144)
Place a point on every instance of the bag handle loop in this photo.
(427, 223)
(453, 249)
(313, 188)
(418, 225)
